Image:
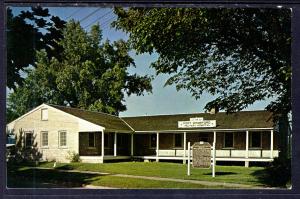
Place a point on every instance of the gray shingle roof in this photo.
(110, 122)
(240, 120)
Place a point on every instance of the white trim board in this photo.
(207, 130)
(31, 111)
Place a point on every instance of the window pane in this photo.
(91, 139)
(63, 138)
(153, 140)
(44, 113)
(28, 139)
(44, 138)
(203, 137)
(228, 140)
(256, 139)
(178, 140)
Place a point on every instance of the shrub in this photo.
(73, 157)
(279, 172)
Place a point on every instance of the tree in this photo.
(238, 55)
(30, 31)
(90, 75)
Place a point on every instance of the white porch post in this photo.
(131, 152)
(115, 144)
(271, 147)
(157, 146)
(214, 155)
(247, 149)
(102, 145)
(189, 159)
(184, 147)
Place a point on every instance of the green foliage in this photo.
(90, 75)
(21, 153)
(73, 156)
(24, 37)
(279, 172)
(238, 55)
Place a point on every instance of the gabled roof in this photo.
(109, 122)
(240, 120)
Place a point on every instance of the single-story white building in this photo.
(50, 132)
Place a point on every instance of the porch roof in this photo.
(108, 121)
(240, 120)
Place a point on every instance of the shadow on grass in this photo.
(262, 177)
(220, 173)
(38, 178)
(276, 174)
(65, 167)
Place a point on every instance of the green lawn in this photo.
(26, 177)
(231, 174)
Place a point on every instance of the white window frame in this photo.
(89, 140)
(41, 135)
(250, 139)
(42, 111)
(25, 138)
(59, 139)
(225, 147)
(178, 147)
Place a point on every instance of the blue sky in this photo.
(162, 100)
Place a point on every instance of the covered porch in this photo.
(98, 146)
(245, 145)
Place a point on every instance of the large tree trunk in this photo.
(284, 131)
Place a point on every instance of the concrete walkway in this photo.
(205, 183)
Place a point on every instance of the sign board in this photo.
(195, 124)
(196, 119)
(201, 155)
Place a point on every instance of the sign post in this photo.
(204, 156)
(214, 156)
(189, 159)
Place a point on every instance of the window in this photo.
(203, 137)
(62, 138)
(44, 138)
(255, 139)
(91, 139)
(28, 139)
(228, 140)
(178, 140)
(152, 140)
(122, 140)
(44, 114)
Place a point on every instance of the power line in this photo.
(84, 18)
(76, 11)
(107, 22)
(98, 19)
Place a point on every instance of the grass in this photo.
(121, 182)
(27, 177)
(227, 174)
